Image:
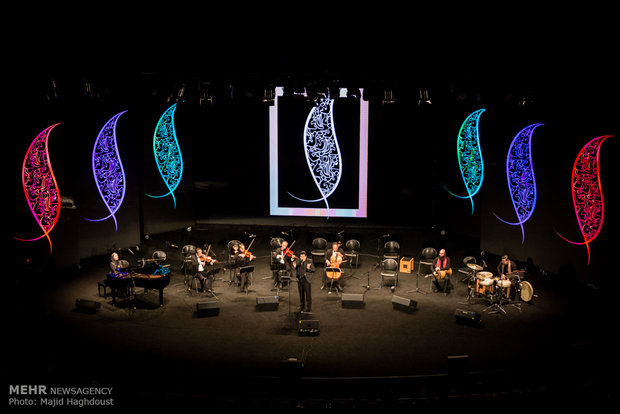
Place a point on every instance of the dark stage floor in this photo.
(555, 347)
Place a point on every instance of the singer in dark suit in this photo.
(304, 269)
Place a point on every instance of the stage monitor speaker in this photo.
(309, 327)
(406, 264)
(467, 317)
(267, 303)
(404, 304)
(353, 300)
(87, 306)
(210, 308)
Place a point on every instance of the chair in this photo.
(319, 247)
(391, 250)
(102, 284)
(352, 252)
(187, 251)
(428, 254)
(389, 273)
(274, 243)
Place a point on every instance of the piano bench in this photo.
(102, 284)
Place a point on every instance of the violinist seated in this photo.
(283, 256)
(242, 257)
(199, 263)
(334, 257)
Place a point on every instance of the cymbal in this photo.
(474, 266)
(484, 275)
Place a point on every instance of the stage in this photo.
(554, 346)
(245, 143)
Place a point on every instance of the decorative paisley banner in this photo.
(520, 176)
(587, 192)
(322, 150)
(108, 169)
(470, 156)
(168, 153)
(40, 187)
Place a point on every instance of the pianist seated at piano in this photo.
(117, 265)
(199, 263)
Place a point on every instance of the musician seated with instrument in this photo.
(200, 262)
(506, 268)
(333, 259)
(118, 265)
(115, 263)
(243, 258)
(283, 256)
(441, 271)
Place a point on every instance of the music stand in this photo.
(417, 285)
(246, 269)
(331, 284)
(212, 273)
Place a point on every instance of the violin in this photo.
(247, 253)
(288, 252)
(206, 259)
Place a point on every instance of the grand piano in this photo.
(154, 276)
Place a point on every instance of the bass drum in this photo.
(527, 291)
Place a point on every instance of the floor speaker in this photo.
(87, 306)
(467, 317)
(267, 303)
(211, 308)
(309, 327)
(353, 300)
(404, 304)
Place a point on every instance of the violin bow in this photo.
(288, 248)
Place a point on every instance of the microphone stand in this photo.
(379, 239)
(367, 286)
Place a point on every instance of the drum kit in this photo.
(496, 290)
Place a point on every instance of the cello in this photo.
(335, 262)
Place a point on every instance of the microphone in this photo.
(386, 235)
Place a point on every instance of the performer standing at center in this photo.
(304, 269)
